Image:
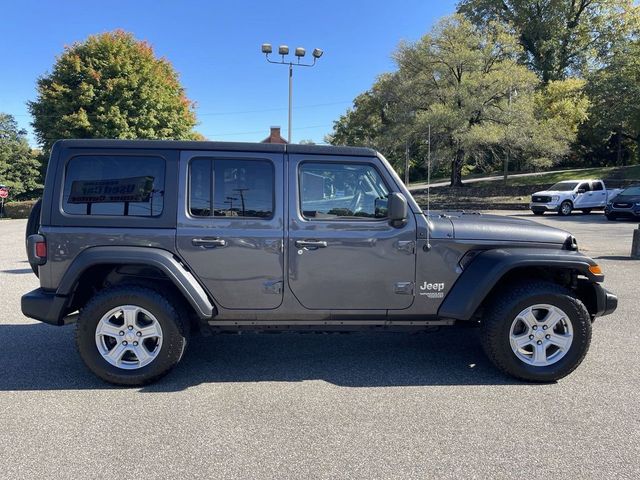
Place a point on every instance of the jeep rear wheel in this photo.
(131, 335)
(537, 332)
(565, 209)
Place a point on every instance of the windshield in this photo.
(563, 186)
(631, 191)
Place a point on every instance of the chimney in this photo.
(274, 136)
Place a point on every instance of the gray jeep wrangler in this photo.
(142, 242)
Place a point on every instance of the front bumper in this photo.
(622, 212)
(606, 302)
(45, 306)
(543, 207)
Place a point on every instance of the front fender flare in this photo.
(163, 260)
(479, 278)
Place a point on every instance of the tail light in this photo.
(37, 249)
(41, 249)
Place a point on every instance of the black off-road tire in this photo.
(561, 211)
(169, 313)
(507, 304)
(33, 225)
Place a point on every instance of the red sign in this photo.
(4, 192)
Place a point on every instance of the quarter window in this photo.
(342, 191)
(231, 188)
(121, 185)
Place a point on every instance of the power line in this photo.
(204, 114)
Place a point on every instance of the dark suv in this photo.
(143, 242)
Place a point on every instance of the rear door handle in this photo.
(311, 243)
(208, 242)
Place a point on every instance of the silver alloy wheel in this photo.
(566, 208)
(129, 337)
(541, 335)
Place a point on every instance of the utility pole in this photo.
(300, 52)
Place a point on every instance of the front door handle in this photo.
(208, 242)
(311, 243)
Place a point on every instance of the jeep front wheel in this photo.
(536, 332)
(131, 335)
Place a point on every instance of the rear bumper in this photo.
(45, 306)
(606, 301)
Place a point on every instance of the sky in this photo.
(215, 47)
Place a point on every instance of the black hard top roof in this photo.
(216, 146)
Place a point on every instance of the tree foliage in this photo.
(483, 107)
(111, 86)
(613, 130)
(560, 38)
(19, 165)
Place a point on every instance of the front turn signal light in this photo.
(595, 269)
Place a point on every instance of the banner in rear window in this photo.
(132, 189)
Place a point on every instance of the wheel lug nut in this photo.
(539, 342)
(121, 333)
(124, 343)
(530, 337)
(544, 327)
(139, 334)
(135, 344)
(547, 336)
(130, 327)
(535, 327)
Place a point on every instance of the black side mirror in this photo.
(397, 209)
(581, 190)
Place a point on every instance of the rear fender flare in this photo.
(163, 260)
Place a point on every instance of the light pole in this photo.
(283, 51)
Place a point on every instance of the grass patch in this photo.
(606, 173)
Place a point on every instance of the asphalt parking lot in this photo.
(324, 406)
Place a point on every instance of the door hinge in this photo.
(403, 288)
(407, 246)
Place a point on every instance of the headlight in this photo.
(638, 204)
(555, 198)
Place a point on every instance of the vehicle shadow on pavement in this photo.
(17, 271)
(447, 357)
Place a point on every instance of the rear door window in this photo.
(231, 188)
(115, 185)
(597, 186)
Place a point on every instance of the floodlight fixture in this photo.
(300, 52)
(266, 48)
(317, 53)
(283, 50)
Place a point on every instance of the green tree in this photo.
(484, 108)
(464, 81)
(613, 129)
(19, 165)
(111, 86)
(560, 38)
